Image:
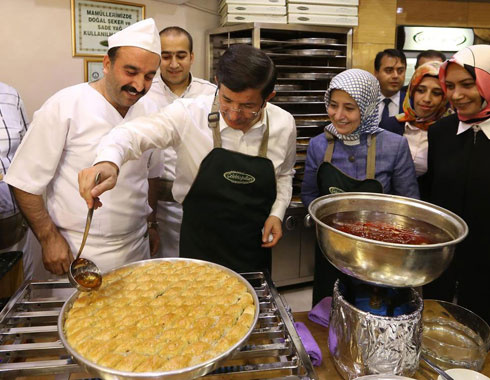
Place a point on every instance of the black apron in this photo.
(331, 180)
(228, 204)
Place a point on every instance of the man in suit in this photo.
(390, 66)
(428, 56)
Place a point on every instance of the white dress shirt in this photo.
(184, 125)
(13, 126)
(61, 141)
(394, 106)
(162, 95)
(419, 146)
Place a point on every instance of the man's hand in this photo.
(154, 238)
(57, 255)
(272, 226)
(86, 182)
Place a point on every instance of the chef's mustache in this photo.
(132, 89)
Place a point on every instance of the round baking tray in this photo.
(233, 41)
(287, 87)
(294, 98)
(307, 76)
(314, 41)
(181, 374)
(312, 52)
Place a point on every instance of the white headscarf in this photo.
(363, 87)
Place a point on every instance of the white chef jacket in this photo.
(61, 141)
(169, 214)
(184, 125)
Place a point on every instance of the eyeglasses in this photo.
(245, 112)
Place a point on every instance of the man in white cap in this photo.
(62, 140)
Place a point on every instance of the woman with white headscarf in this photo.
(354, 154)
(458, 176)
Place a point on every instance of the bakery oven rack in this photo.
(30, 346)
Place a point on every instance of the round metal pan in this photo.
(312, 52)
(182, 374)
(307, 98)
(314, 41)
(307, 76)
(233, 41)
(287, 87)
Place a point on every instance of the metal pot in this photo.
(382, 263)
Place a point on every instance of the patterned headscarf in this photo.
(363, 87)
(427, 69)
(476, 60)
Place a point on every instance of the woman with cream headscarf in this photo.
(424, 104)
(458, 176)
(354, 154)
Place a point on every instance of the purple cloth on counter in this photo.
(321, 312)
(311, 346)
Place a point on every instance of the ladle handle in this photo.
(88, 222)
(436, 368)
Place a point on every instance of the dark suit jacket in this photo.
(393, 125)
(403, 93)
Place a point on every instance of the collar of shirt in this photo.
(395, 99)
(169, 91)
(485, 127)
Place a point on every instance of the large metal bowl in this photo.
(181, 374)
(381, 263)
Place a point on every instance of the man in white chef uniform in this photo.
(62, 139)
(175, 81)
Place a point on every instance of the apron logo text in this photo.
(239, 177)
(335, 190)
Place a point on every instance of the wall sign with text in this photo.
(420, 38)
(93, 21)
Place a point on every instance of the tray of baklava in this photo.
(172, 318)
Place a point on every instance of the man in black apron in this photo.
(232, 196)
(230, 215)
(332, 180)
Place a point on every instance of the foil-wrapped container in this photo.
(362, 343)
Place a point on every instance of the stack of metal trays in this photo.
(30, 346)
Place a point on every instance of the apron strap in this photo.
(213, 123)
(371, 157)
(265, 138)
(330, 146)
(371, 154)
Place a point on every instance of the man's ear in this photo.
(106, 62)
(270, 96)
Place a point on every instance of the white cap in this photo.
(143, 34)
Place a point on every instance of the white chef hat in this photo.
(143, 34)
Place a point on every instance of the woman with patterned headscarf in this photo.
(354, 154)
(458, 176)
(424, 104)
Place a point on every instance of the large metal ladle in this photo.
(83, 273)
